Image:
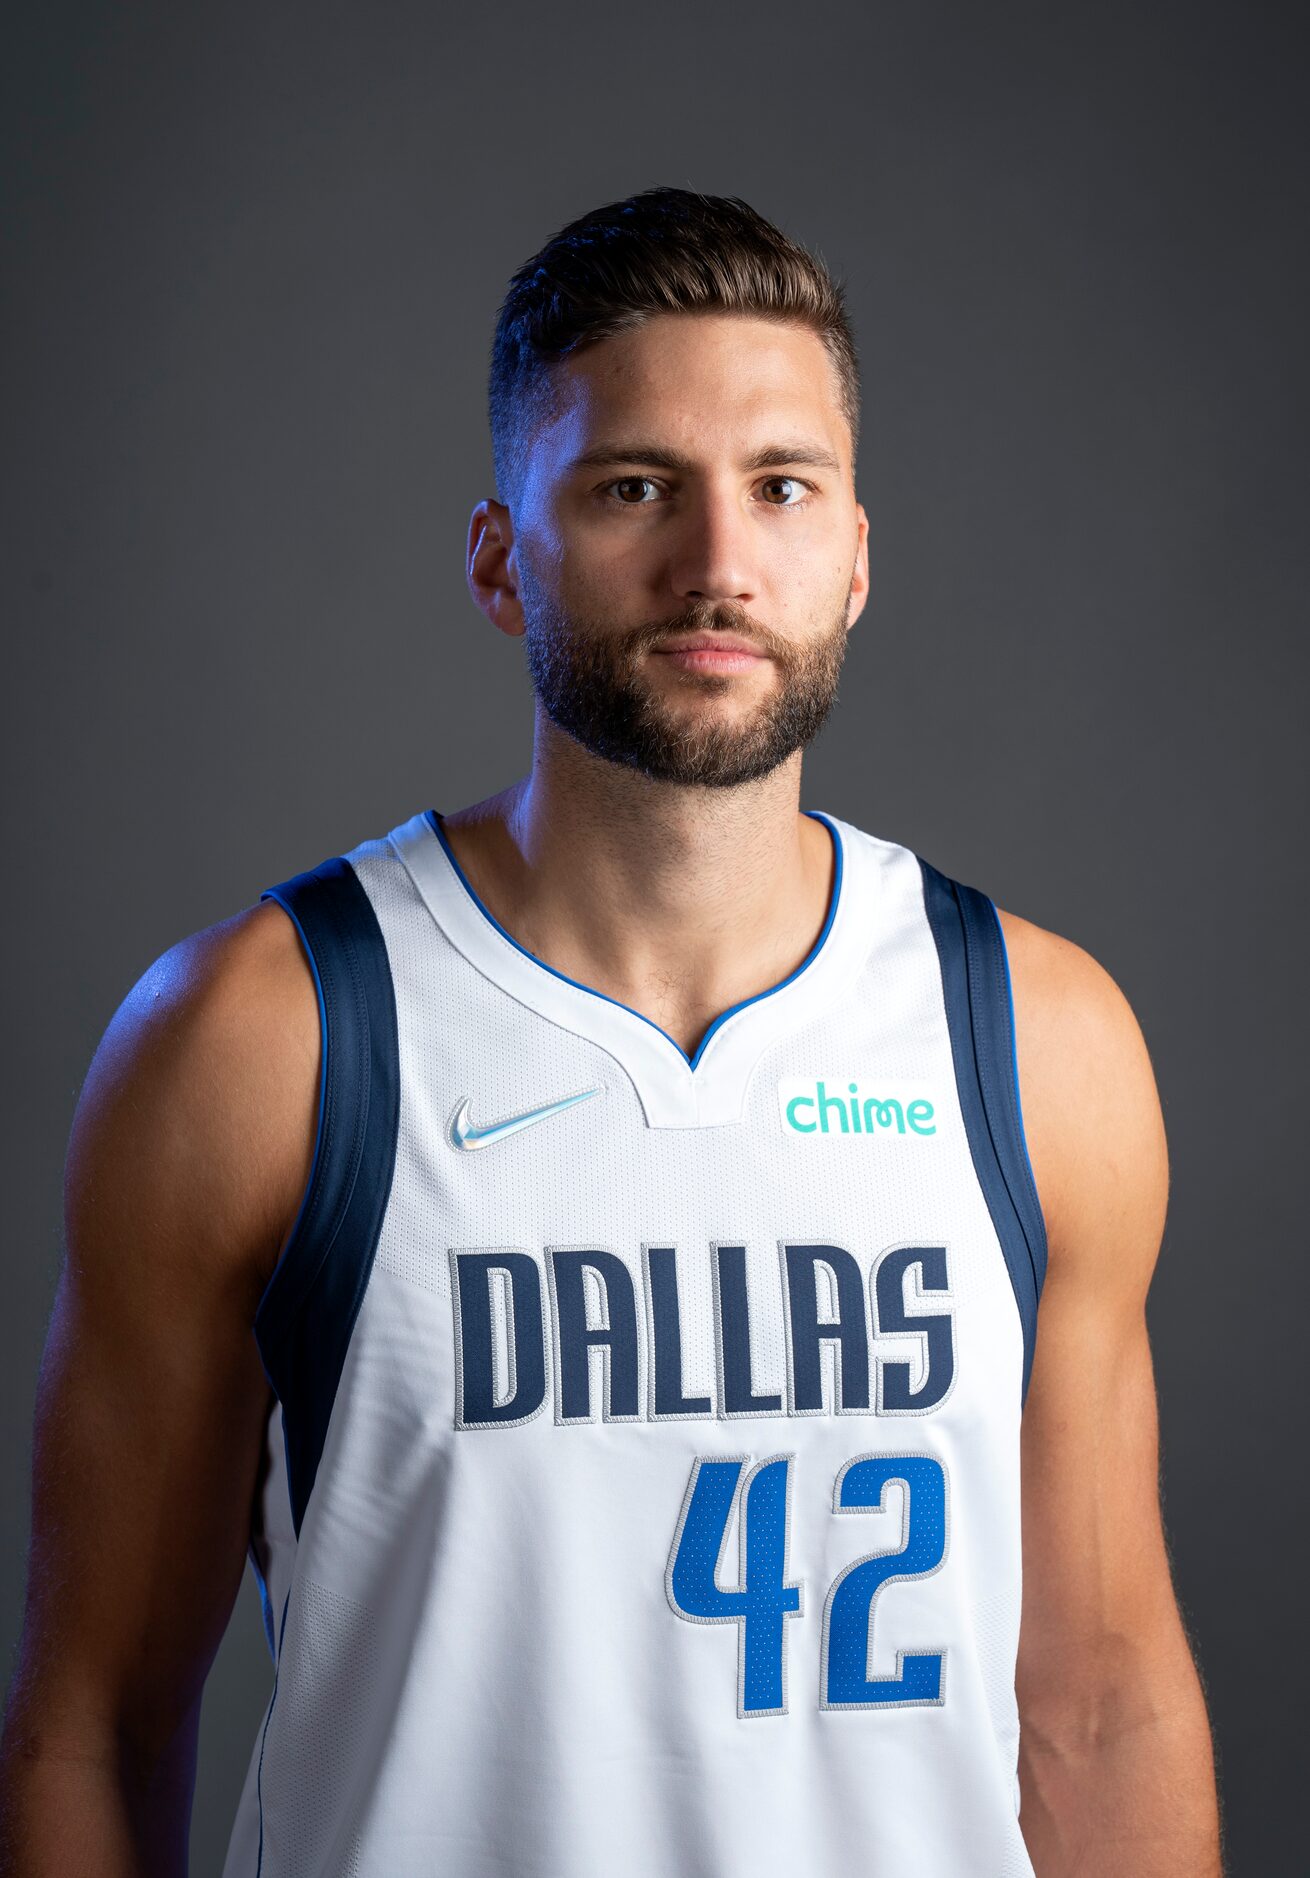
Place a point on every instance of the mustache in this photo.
(712, 617)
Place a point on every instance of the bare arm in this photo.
(189, 1152)
(1116, 1766)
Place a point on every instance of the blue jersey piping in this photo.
(305, 1318)
(979, 1007)
(434, 821)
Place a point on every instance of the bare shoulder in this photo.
(191, 1146)
(1091, 1110)
(198, 1111)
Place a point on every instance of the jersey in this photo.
(642, 1479)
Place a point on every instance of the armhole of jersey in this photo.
(980, 1017)
(307, 1313)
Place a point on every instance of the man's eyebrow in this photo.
(658, 456)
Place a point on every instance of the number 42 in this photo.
(763, 1603)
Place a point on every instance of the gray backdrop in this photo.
(255, 258)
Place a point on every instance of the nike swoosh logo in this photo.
(462, 1135)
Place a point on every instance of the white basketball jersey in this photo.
(643, 1481)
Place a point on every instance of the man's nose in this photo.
(713, 555)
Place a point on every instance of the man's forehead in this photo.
(686, 382)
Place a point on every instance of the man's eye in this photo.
(626, 485)
(786, 482)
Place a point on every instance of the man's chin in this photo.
(736, 730)
(668, 753)
(680, 698)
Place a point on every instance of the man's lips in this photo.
(712, 652)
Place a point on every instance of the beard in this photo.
(587, 678)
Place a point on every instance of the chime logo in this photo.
(838, 1106)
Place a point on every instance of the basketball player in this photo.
(586, 1249)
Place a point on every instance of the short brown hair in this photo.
(660, 251)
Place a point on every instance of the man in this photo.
(588, 1247)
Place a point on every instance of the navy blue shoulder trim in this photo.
(980, 1017)
(306, 1316)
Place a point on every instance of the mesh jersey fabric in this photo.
(643, 1481)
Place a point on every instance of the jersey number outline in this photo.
(763, 1599)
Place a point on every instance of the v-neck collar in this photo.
(675, 1090)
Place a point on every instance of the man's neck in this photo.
(679, 903)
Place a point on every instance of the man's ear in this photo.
(860, 576)
(489, 566)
